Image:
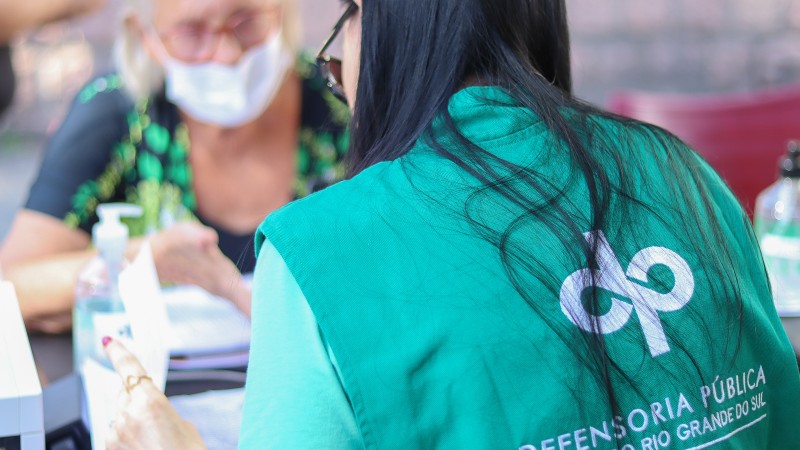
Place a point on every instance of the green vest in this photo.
(438, 349)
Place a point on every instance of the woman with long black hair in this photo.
(507, 267)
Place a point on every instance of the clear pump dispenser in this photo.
(98, 306)
(777, 226)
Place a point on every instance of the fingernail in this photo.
(106, 340)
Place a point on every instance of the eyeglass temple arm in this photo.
(336, 28)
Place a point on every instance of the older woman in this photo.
(210, 123)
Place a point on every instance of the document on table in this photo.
(102, 387)
(217, 415)
(206, 331)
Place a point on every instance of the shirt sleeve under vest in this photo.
(81, 148)
(294, 397)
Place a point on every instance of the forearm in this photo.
(241, 297)
(46, 287)
(21, 15)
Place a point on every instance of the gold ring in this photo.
(133, 380)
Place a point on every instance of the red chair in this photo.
(742, 136)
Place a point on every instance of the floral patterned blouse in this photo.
(111, 150)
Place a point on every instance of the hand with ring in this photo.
(131, 381)
(145, 418)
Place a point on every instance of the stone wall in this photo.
(684, 45)
(665, 45)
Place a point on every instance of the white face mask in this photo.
(228, 96)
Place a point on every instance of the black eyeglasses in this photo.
(332, 67)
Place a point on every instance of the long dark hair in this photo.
(415, 54)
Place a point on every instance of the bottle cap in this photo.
(110, 235)
(790, 164)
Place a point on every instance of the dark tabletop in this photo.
(53, 355)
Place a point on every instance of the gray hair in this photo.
(141, 75)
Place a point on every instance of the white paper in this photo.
(203, 324)
(102, 387)
(141, 294)
(217, 415)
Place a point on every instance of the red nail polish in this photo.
(106, 340)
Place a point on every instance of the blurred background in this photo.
(684, 46)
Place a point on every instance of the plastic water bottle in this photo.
(777, 226)
(98, 309)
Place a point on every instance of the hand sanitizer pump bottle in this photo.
(777, 227)
(98, 306)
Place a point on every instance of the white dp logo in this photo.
(647, 302)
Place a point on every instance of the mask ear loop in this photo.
(276, 28)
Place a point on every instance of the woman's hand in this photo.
(187, 253)
(145, 418)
